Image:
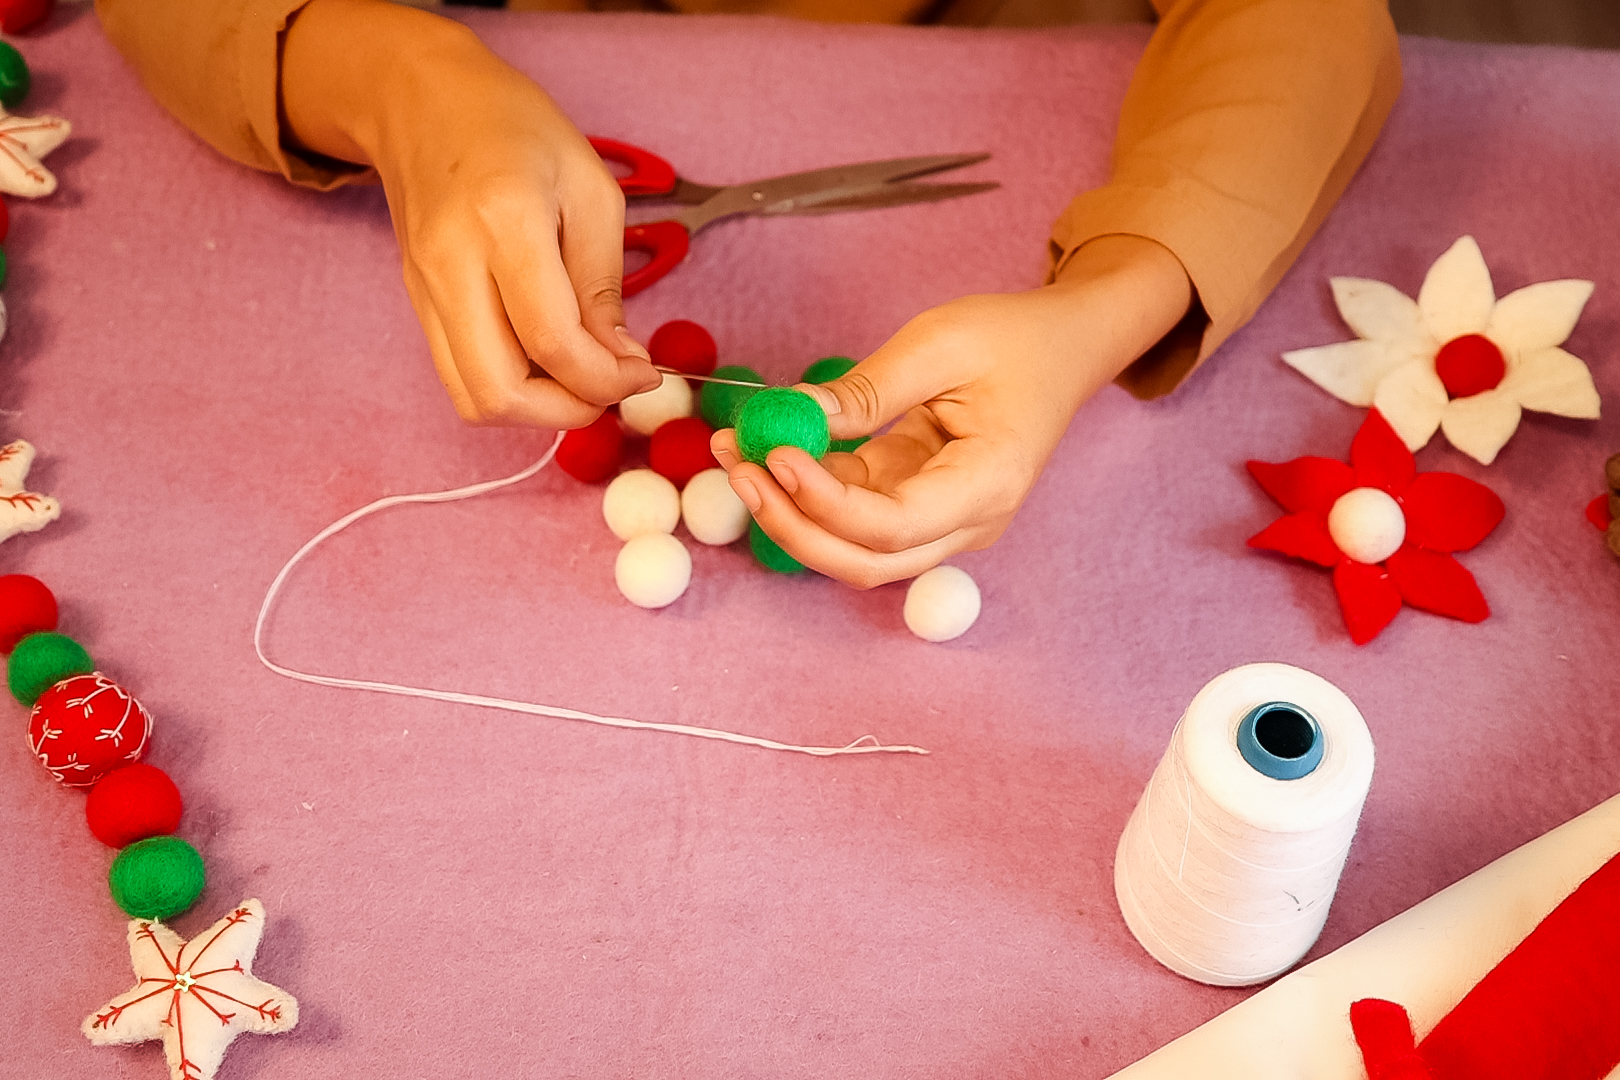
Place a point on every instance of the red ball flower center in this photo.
(1469, 365)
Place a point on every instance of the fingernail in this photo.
(631, 345)
(726, 458)
(749, 494)
(784, 475)
(825, 397)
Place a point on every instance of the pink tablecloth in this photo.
(214, 366)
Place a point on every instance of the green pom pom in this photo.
(2, 268)
(40, 661)
(769, 553)
(827, 369)
(156, 878)
(719, 402)
(14, 79)
(847, 446)
(781, 417)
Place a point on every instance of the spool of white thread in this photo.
(1224, 873)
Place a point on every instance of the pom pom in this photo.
(14, 77)
(18, 16)
(1367, 524)
(40, 661)
(684, 346)
(5, 225)
(769, 553)
(639, 502)
(827, 369)
(712, 512)
(133, 803)
(594, 452)
(781, 417)
(2, 268)
(942, 603)
(85, 727)
(26, 607)
(653, 570)
(719, 402)
(646, 413)
(157, 878)
(1611, 473)
(680, 450)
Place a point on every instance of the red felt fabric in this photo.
(1447, 512)
(593, 453)
(1367, 597)
(1304, 484)
(1383, 1030)
(133, 803)
(1304, 536)
(1435, 582)
(1597, 512)
(26, 607)
(1379, 457)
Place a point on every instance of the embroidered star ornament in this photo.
(197, 996)
(21, 511)
(1456, 358)
(1387, 531)
(23, 141)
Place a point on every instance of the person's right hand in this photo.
(510, 227)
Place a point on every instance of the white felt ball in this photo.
(711, 510)
(640, 501)
(942, 603)
(653, 570)
(1367, 524)
(669, 400)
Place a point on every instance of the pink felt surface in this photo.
(214, 366)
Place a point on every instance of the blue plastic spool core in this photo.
(1281, 740)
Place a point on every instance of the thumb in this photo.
(886, 385)
(592, 250)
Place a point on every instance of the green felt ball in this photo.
(847, 446)
(2, 268)
(781, 416)
(719, 402)
(156, 878)
(827, 369)
(14, 78)
(769, 553)
(40, 661)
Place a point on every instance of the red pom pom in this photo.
(684, 346)
(131, 804)
(680, 450)
(85, 727)
(1469, 365)
(594, 452)
(17, 16)
(26, 607)
(5, 220)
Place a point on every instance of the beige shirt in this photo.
(1242, 125)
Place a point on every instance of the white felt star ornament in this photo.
(197, 996)
(21, 511)
(1457, 358)
(23, 141)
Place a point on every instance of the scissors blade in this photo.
(782, 194)
(889, 195)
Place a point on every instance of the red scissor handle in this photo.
(649, 173)
(666, 241)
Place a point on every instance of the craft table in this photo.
(214, 366)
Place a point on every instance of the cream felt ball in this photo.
(646, 413)
(942, 603)
(712, 512)
(640, 501)
(653, 570)
(1367, 524)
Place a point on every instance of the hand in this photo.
(983, 389)
(510, 227)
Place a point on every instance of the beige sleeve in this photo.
(1242, 125)
(215, 64)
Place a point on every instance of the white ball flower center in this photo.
(1367, 524)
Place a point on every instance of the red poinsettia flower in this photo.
(1385, 529)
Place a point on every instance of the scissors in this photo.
(820, 191)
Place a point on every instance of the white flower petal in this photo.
(1457, 295)
(1538, 316)
(1412, 398)
(1481, 424)
(1349, 370)
(1378, 311)
(1553, 381)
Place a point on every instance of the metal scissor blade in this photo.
(889, 195)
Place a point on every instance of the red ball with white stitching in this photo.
(85, 727)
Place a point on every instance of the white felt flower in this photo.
(23, 141)
(1457, 358)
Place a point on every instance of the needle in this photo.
(708, 378)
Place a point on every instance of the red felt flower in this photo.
(1386, 530)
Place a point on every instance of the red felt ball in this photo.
(1469, 365)
(680, 449)
(85, 727)
(133, 803)
(5, 220)
(17, 16)
(26, 607)
(593, 453)
(683, 346)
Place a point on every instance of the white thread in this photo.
(1259, 859)
(866, 744)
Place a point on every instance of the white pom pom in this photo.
(669, 400)
(711, 510)
(942, 603)
(653, 570)
(2, 319)
(640, 501)
(1367, 524)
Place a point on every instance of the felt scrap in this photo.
(21, 511)
(23, 141)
